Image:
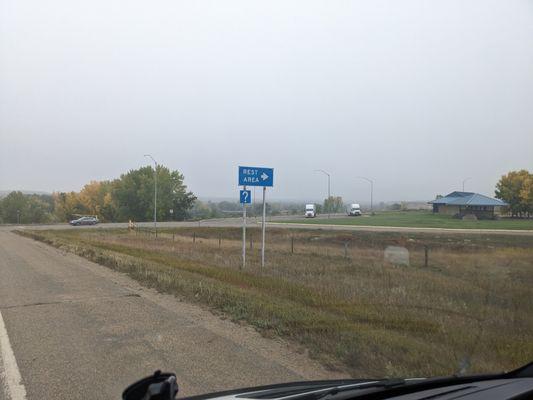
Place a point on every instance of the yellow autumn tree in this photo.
(90, 197)
(515, 190)
(67, 205)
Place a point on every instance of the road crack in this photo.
(68, 301)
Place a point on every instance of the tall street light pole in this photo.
(155, 192)
(464, 180)
(329, 185)
(371, 192)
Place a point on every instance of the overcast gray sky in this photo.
(417, 95)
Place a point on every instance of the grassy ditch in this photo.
(335, 293)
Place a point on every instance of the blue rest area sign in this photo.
(256, 176)
(246, 196)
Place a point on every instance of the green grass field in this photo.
(419, 219)
(334, 293)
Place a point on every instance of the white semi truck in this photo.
(310, 211)
(354, 210)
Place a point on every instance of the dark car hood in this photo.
(314, 388)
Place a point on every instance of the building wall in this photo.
(486, 212)
(448, 210)
(482, 212)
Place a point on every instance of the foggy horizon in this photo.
(363, 196)
(417, 96)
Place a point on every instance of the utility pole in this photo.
(329, 187)
(155, 192)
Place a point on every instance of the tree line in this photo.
(516, 188)
(130, 197)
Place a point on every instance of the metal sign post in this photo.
(245, 198)
(263, 226)
(244, 234)
(254, 176)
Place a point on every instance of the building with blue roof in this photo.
(459, 204)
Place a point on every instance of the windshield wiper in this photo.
(404, 386)
(386, 384)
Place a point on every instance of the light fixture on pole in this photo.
(371, 191)
(465, 180)
(329, 187)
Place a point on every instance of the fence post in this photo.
(426, 256)
(173, 237)
(345, 249)
(194, 237)
(251, 242)
(219, 240)
(292, 244)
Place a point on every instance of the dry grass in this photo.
(352, 309)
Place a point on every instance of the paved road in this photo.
(72, 329)
(278, 223)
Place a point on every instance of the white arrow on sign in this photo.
(264, 176)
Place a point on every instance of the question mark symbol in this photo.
(245, 194)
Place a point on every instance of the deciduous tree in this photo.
(510, 188)
(25, 208)
(333, 204)
(134, 195)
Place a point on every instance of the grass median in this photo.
(335, 294)
(418, 219)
